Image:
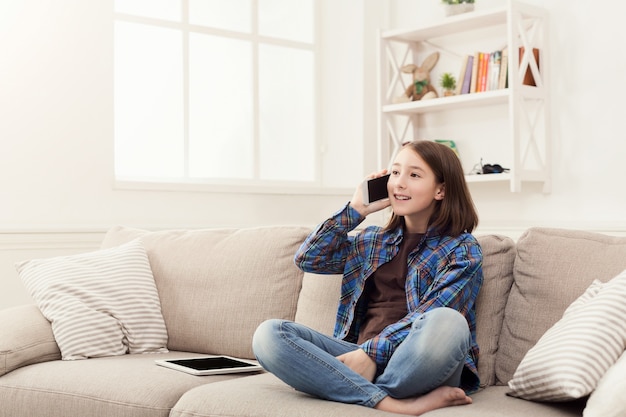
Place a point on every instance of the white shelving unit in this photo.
(527, 140)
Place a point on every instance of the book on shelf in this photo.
(480, 81)
(528, 76)
(467, 79)
(459, 84)
(474, 72)
(504, 65)
(495, 62)
(489, 71)
(484, 80)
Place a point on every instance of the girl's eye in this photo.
(414, 175)
(394, 172)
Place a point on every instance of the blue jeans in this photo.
(432, 355)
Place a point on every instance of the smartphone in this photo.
(375, 189)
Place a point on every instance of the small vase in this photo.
(453, 9)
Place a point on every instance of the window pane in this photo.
(286, 114)
(221, 108)
(287, 19)
(148, 101)
(158, 9)
(230, 15)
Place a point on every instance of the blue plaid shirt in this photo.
(443, 271)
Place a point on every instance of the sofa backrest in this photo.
(498, 258)
(552, 268)
(318, 301)
(217, 285)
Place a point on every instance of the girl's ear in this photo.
(441, 192)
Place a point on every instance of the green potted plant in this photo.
(452, 7)
(448, 83)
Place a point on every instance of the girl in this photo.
(405, 336)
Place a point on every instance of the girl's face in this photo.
(413, 190)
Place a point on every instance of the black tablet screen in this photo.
(203, 364)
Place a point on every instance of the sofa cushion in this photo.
(498, 257)
(608, 399)
(571, 357)
(100, 303)
(217, 285)
(552, 268)
(261, 396)
(114, 386)
(266, 396)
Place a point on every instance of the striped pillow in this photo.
(101, 303)
(608, 399)
(572, 356)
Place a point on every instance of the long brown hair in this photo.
(456, 213)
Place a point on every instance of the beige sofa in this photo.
(216, 286)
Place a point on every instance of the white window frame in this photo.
(255, 185)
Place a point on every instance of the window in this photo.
(216, 91)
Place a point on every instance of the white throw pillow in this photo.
(608, 400)
(101, 303)
(572, 356)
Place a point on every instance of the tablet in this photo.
(210, 365)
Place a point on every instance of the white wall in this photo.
(56, 185)
(57, 192)
(57, 126)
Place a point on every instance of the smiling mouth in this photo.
(401, 197)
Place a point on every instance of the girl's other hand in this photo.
(359, 362)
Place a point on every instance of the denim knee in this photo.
(264, 339)
(430, 356)
(450, 324)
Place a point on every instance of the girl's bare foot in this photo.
(438, 398)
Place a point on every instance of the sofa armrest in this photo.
(25, 338)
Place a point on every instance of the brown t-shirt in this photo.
(385, 291)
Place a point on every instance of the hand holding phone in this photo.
(375, 189)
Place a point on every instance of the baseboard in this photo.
(50, 238)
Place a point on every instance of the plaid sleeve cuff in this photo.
(347, 217)
(379, 350)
